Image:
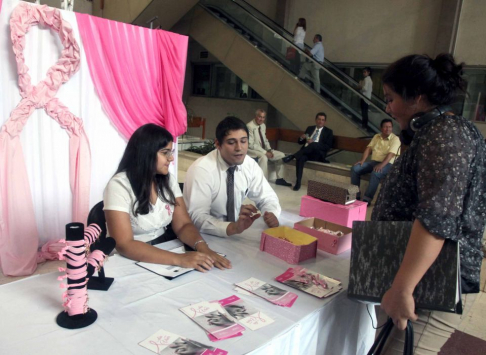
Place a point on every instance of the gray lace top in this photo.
(441, 180)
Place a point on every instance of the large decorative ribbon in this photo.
(18, 230)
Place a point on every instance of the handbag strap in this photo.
(408, 348)
(380, 341)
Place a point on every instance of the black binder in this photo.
(377, 251)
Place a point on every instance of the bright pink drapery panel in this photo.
(138, 73)
(18, 229)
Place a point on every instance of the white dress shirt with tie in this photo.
(205, 192)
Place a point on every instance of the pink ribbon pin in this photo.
(169, 211)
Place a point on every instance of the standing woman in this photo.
(143, 198)
(439, 183)
(299, 38)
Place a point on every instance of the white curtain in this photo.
(44, 142)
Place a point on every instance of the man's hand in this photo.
(269, 155)
(248, 214)
(378, 168)
(219, 261)
(302, 137)
(195, 260)
(270, 219)
(309, 141)
(360, 162)
(399, 306)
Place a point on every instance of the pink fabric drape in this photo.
(18, 229)
(138, 73)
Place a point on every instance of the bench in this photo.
(340, 143)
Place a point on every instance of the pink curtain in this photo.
(18, 229)
(138, 73)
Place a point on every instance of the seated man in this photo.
(316, 141)
(384, 147)
(259, 147)
(217, 184)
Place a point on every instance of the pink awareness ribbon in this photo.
(169, 211)
(18, 229)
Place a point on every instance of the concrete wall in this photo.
(378, 31)
(470, 44)
(266, 7)
(120, 10)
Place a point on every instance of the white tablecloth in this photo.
(139, 303)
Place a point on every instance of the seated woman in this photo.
(143, 198)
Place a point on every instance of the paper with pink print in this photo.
(310, 282)
(213, 319)
(245, 313)
(269, 292)
(166, 343)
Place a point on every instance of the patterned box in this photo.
(332, 191)
(339, 214)
(334, 244)
(288, 244)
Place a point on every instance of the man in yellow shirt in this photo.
(384, 148)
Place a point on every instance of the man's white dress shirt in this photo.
(205, 192)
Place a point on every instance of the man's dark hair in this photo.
(228, 124)
(319, 37)
(368, 69)
(321, 114)
(385, 120)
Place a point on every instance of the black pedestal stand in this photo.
(100, 282)
(74, 232)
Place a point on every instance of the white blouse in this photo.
(299, 37)
(119, 196)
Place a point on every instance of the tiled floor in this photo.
(474, 324)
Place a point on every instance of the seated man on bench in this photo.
(259, 147)
(316, 142)
(384, 148)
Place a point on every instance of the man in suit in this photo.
(259, 147)
(316, 142)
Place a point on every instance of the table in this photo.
(139, 303)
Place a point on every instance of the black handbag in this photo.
(377, 250)
(383, 336)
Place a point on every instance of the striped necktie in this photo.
(230, 191)
(262, 141)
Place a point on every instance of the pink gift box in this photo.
(343, 215)
(328, 242)
(296, 247)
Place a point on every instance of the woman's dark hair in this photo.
(439, 79)
(302, 23)
(228, 124)
(139, 162)
(368, 69)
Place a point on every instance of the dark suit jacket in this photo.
(325, 140)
